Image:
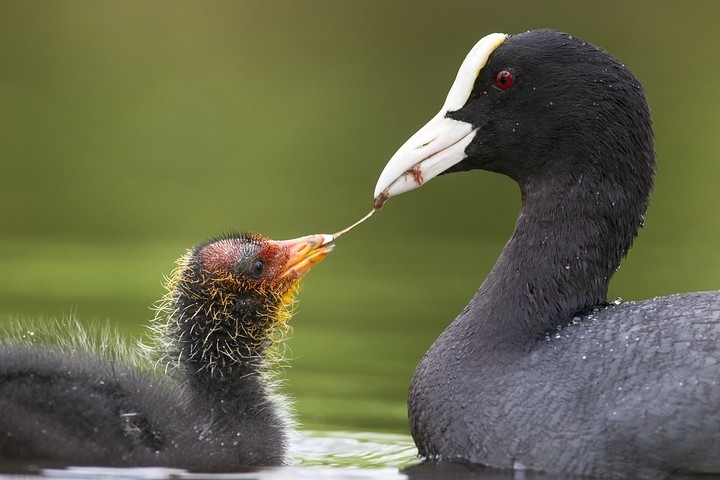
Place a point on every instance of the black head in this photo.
(542, 107)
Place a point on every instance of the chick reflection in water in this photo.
(210, 406)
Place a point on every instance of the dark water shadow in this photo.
(452, 471)
(449, 471)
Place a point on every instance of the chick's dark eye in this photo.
(504, 79)
(257, 268)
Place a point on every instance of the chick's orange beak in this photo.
(304, 252)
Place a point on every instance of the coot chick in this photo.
(539, 371)
(225, 309)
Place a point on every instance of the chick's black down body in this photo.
(59, 407)
(207, 399)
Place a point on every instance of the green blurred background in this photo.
(131, 130)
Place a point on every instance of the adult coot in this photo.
(539, 371)
(216, 408)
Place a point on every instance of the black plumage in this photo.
(215, 409)
(539, 370)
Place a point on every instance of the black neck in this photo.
(221, 347)
(569, 238)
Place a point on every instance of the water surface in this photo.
(130, 131)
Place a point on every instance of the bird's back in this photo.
(630, 386)
(61, 405)
(77, 408)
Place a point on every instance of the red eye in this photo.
(504, 80)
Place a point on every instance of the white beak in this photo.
(434, 148)
(441, 143)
